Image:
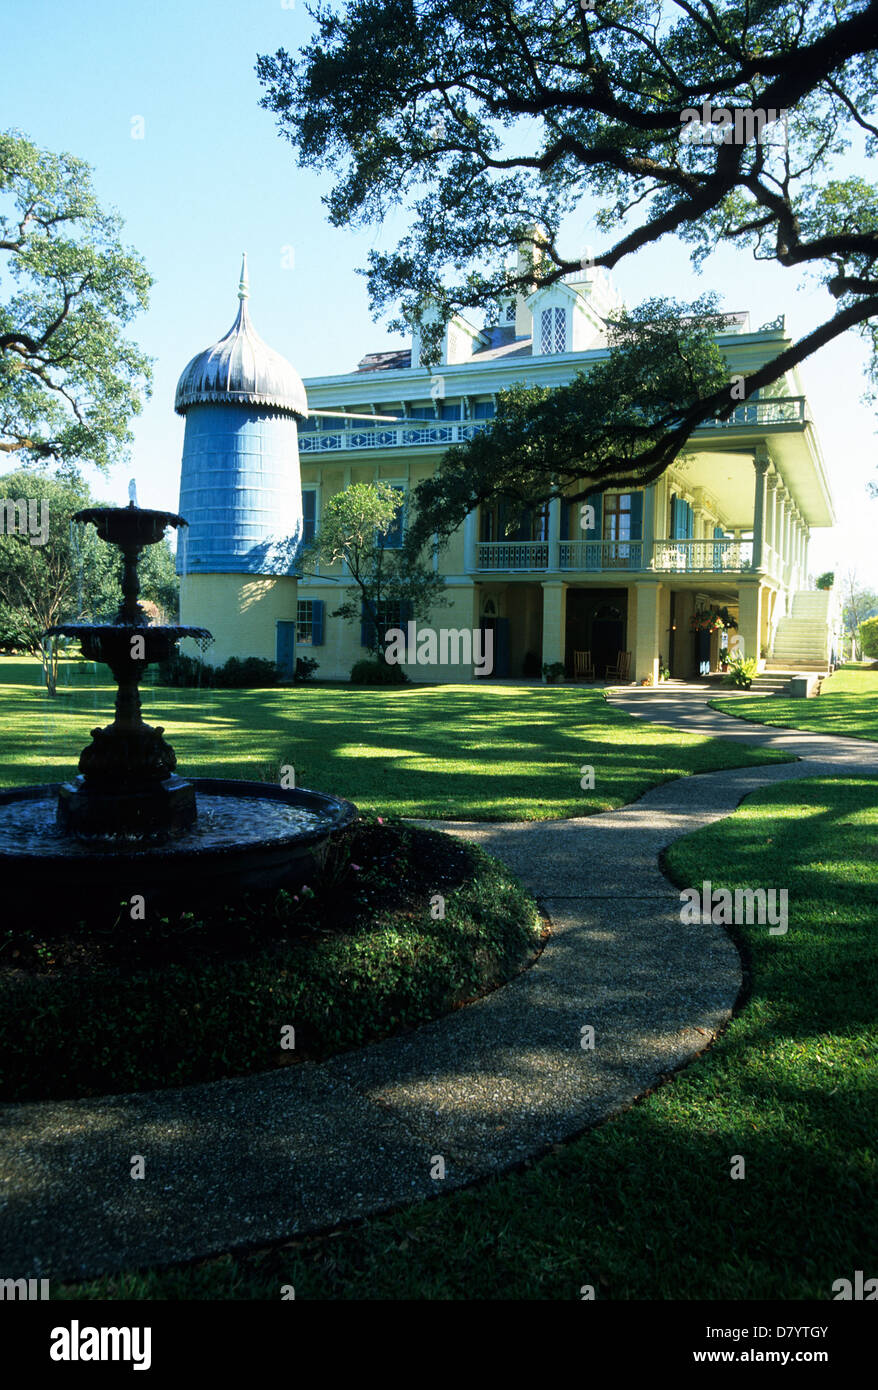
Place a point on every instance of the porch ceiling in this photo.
(729, 475)
(729, 478)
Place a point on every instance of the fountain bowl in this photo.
(231, 849)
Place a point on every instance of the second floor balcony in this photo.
(661, 557)
(413, 434)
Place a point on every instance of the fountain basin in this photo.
(115, 644)
(249, 836)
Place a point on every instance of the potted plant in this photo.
(826, 581)
(553, 671)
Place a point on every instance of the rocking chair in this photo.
(583, 668)
(622, 667)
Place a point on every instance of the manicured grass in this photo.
(847, 704)
(486, 753)
(123, 1006)
(644, 1206)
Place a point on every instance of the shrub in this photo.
(554, 671)
(305, 668)
(183, 670)
(826, 581)
(184, 998)
(867, 637)
(235, 674)
(742, 669)
(374, 671)
(247, 672)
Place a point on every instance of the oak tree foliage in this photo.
(483, 119)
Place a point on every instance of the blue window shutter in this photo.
(405, 611)
(365, 633)
(565, 520)
(718, 533)
(690, 521)
(673, 516)
(637, 516)
(317, 622)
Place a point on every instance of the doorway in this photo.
(597, 621)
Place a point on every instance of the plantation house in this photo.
(726, 528)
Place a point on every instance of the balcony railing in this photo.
(428, 434)
(513, 555)
(714, 556)
(393, 437)
(786, 410)
(668, 556)
(600, 555)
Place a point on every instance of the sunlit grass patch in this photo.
(458, 751)
(847, 704)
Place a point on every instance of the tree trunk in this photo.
(49, 658)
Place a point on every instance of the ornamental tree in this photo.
(70, 381)
(354, 530)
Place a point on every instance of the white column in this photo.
(787, 572)
(771, 514)
(760, 466)
(647, 560)
(554, 533)
(805, 559)
(647, 637)
(554, 622)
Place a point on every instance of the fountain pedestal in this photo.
(127, 783)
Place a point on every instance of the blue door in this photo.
(285, 648)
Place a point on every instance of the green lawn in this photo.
(486, 753)
(847, 704)
(644, 1207)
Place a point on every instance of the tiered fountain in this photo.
(128, 823)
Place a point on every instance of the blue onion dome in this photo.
(242, 369)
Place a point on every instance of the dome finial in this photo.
(244, 286)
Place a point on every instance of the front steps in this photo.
(771, 683)
(802, 639)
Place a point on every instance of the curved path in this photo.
(253, 1160)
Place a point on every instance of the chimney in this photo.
(530, 253)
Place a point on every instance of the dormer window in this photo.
(553, 330)
(510, 311)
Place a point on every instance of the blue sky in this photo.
(211, 177)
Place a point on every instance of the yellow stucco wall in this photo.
(241, 611)
(341, 648)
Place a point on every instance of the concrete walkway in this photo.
(250, 1161)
